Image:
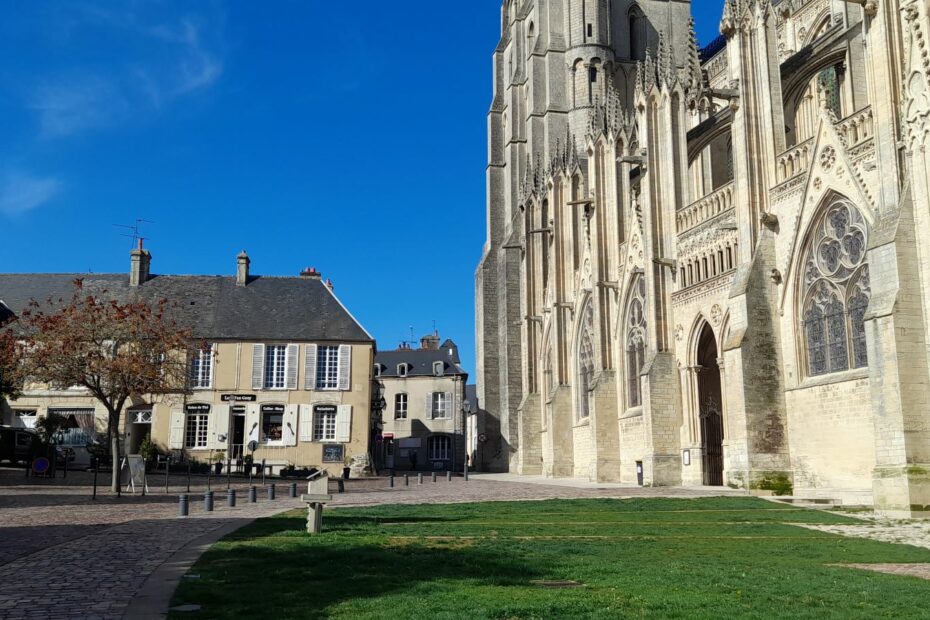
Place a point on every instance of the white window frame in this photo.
(377, 370)
(439, 407)
(327, 368)
(201, 380)
(403, 396)
(438, 368)
(198, 437)
(324, 425)
(26, 417)
(275, 361)
(403, 370)
(262, 416)
(439, 448)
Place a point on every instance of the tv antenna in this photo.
(134, 232)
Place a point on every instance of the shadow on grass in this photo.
(305, 576)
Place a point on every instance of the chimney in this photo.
(311, 274)
(242, 269)
(330, 285)
(140, 264)
(430, 343)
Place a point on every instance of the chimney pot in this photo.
(311, 273)
(242, 268)
(140, 264)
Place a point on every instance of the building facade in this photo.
(285, 366)
(709, 266)
(423, 420)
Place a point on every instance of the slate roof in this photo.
(421, 361)
(268, 308)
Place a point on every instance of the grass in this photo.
(657, 558)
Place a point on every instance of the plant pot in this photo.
(346, 471)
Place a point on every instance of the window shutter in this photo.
(290, 425)
(345, 368)
(450, 412)
(258, 366)
(176, 434)
(306, 423)
(310, 364)
(429, 406)
(211, 360)
(344, 424)
(219, 425)
(252, 424)
(292, 350)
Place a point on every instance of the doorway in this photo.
(711, 406)
(238, 435)
(389, 453)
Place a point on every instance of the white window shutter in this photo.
(429, 406)
(306, 423)
(449, 412)
(290, 425)
(258, 366)
(292, 350)
(176, 434)
(310, 367)
(252, 424)
(219, 424)
(345, 368)
(344, 424)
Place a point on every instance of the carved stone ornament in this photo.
(828, 158)
(716, 314)
(679, 333)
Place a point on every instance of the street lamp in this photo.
(378, 404)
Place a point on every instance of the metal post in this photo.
(341, 484)
(253, 495)
(208, 501)
(406, 480)
(292, 489)
(209, 475)
(448, 476)
(434, 476)
(167, 472)
(466, 471)
(391, 482)
(271, 491)
(227, 472)
(188, 476)
(263, 472)
(65, 474)
(419, 478)
(231, 498)
(183, 508)
(96, 470)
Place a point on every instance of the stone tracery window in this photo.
(586, 362)
(836, 292)
(636, 343)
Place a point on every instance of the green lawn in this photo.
(658, 558)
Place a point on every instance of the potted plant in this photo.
(218, 459)
(148, 451)
(347, 470)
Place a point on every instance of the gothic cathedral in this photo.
(711, 266)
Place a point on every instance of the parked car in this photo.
(18, 445)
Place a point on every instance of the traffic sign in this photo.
(482, 438)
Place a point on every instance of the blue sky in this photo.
(305, 132)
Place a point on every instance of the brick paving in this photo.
(64, 555)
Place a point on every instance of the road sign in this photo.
(41, 465)
(388, 436)
(482, 438)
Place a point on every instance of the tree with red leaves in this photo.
(120, 352)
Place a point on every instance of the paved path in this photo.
(63, 555)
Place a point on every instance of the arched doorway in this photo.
(710, 408)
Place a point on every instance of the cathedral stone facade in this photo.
(711, 266)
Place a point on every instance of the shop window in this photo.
(440, 448)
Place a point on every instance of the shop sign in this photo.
(238, 398)
(333, 453)
(197, 408)
(326, 408)
(272, 408)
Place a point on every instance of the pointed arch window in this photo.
(836, 291)
(637, 34)
(586, 363)
(636, 343)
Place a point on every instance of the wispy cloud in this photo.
(21, 192)
(68, 107)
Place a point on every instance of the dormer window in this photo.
(438, 368)
(377, 370)
(402, 370)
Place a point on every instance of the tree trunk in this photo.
(114, 452)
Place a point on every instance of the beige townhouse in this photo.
(285, 375)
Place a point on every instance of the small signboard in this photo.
(272, 408)
(136, 465)
(238, 398)
(197, 408)
(326, 408)
(388, 436)
(333, 453)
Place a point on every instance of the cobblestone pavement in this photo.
(64, 555)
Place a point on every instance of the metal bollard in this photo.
(434, 476)
(271, 491)
(341, 485)
(293, 489)
(466, 472)
(253, 496)
(419, 478)
(231, 498)
(208, 501)
(406, 480)
(391, 482)
(448, 476)
(183, 507)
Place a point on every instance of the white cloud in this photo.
(68, 107)
(20, 192)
